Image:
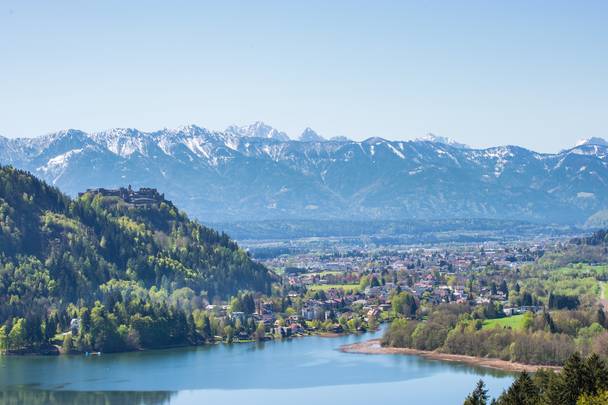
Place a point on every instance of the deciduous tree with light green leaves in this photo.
(260, 331)
(17, 336)
(404, 304)
(4, 340)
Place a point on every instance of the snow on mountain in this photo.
(339, 138)
(442, 139)
(57, 165)
(5, 148)
(123, 141)
(255, 171)
(257, 130)
(592, 141)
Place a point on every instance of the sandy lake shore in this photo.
(374, 347)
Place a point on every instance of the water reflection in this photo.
(33, 396)
(312, 369)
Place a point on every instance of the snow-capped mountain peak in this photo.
(188, 129)
(257, 130)
(430, 137)
(594, 140)
(122, 141)
(309, 135)
(241, 172)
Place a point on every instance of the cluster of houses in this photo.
(435, 275)
(328, 291)
(319, 268)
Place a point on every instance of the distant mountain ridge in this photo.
(444, 140)
(257, 172)
(594, 140)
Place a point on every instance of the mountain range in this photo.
(257, 172)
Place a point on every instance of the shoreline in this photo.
(58, 351)
(373, 347)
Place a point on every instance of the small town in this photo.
(329, 293)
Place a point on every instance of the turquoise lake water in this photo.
(307, 370)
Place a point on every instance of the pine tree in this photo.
(601, 317)
(50, 328)
(521, 392)
(479, 396)
(570, 382)
(504, 288)
(595, 375)
(206, 330)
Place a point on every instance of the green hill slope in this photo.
(59, 255)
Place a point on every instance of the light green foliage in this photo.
(353, 324)
(516, 322)
(325, 287)
(149, 266)
(404, 304)
(17, 337)
(260, 331)
(598, 399)
(4, 340)
(60, 222)
(67, 345)
(132, 226)
(603, 290)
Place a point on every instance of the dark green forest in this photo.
(582, 381)
(131, 275)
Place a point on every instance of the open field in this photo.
(325, 287)
(603, 290)
(328, 273)
(515, 322)
(604, 294)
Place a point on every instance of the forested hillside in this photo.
(598, 238)
(109, 263)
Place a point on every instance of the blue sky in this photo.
(533, 73)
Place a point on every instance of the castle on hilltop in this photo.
(143, 196)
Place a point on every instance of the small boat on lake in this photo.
(92, 353)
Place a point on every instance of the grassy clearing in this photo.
(328, 273)
(581, 270)
(604, 290)
(325, 287)
(515, 322)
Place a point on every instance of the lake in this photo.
(307, 370)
